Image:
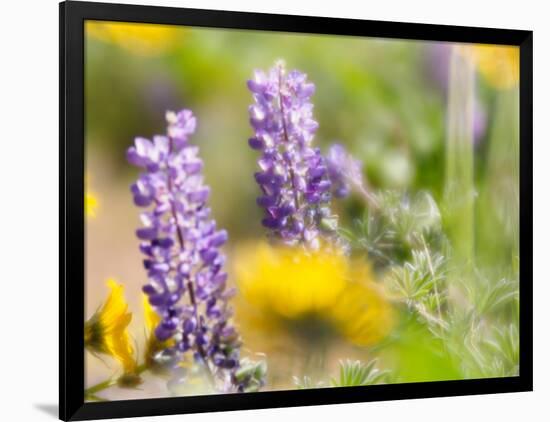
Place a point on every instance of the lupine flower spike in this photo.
(187, 282)
(293, 176)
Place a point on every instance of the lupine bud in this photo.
(344, 171)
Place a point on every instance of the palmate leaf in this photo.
(488, 296)
(401, 224)
(463, 341)
(377, 238)
(504, 345)
(417, 280)
(355, 373)
(306, 382)
(351, 373)
(412, 216)
(483, 349)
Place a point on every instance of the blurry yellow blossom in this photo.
(309, 294)
(106, 331)
(151, 317)
(499, 65)
(90, 204)
(138, 38)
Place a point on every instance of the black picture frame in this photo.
(72, 15)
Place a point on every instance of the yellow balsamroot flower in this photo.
(137, 38)
(90, 204)
(152, 319)
(152, 346)
(499, 65)
(292, 291)
(106, 332)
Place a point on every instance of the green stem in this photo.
(459, 178)
(498, 207)
(371, 200)
(432, 272)
(108, 383)
(200, 349)
(421, 309)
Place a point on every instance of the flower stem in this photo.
(371, 200)
(179, 233)
(421, 309)
(172, 206)
(459, 178)
(99, 387)
(432, 272)
(200, 349)
(108, 383)
(287, 140)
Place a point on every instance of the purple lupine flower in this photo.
(180, 241)
(346, 175)
(344, 171)
(437, 58)
(479, 122)
(293, 177)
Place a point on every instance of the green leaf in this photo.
(355, 373)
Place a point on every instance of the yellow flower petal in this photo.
(498, 65)
(152, 319)
(114, 320)
(90, 204)
(363, 313)
(137, 38)
(287, 281)
(283, 287)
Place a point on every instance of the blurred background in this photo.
(387, 101)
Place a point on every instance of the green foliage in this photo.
(355, 373)
(306, 382)
(483, 349)
(463, 341)
(417, 280)
(351, 374)
(420, 284)
(488, 297)
(404, 240)
(402, 223)
(504, 344)
(483, 325)
(252, 373)
(459, 323)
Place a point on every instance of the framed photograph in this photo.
(265, 210)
